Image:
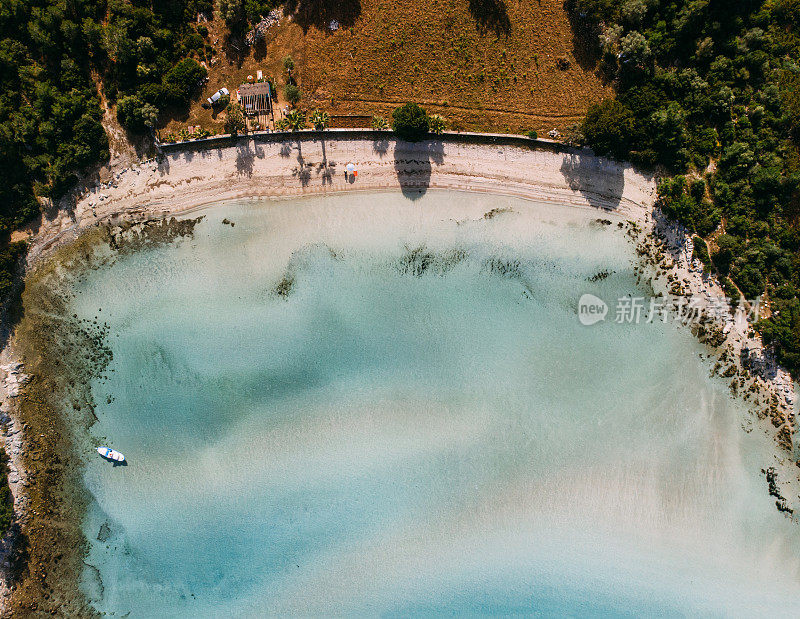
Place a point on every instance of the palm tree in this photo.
(379, 123)
(437, 124)
(320, 119)
(296, 119)
(234, 123)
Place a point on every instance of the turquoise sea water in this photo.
(419, 424)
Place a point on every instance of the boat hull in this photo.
(110, 454)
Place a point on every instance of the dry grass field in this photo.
(514, 70)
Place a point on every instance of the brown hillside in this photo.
(497, 74)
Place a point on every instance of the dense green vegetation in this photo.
(709, 91)
(144, 55)
(49, 116)
(234, 123)
(410, 122)
(240, 13)
(54, 55)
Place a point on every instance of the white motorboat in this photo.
(110, 454)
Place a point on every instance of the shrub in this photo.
(183, 80)
(533, 134)
(135, 115)
(234, 123)
(608, 128)
(379, 123)
(701, 251)
(288, 64)
(292, 93)
(437, 124)
(410, 122)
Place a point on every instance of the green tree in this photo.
(782, 330)
(727, 247)
(6, 498)
(292, 93)
(320, 119)
(232, 11)
(296, 120)
(410, 122)
(183, 80)
(587, 15)
(635, 47)
(234, 121)
(135, 115)
(700, 251)
(608, 128)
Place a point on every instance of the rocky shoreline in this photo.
(135, 206)
(50, 413)
(735, 349)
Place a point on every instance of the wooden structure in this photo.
(255, 99)
(256, 102)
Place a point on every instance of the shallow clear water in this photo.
(414, 435)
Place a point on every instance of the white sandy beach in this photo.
(185, 180)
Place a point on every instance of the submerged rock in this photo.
(104, 533)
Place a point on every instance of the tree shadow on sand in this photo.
(320, 13)
(326, 169)
(491, 15)
(246, 154)
(380, 146)
(600, 181)
(302, 171)
(413, 164)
